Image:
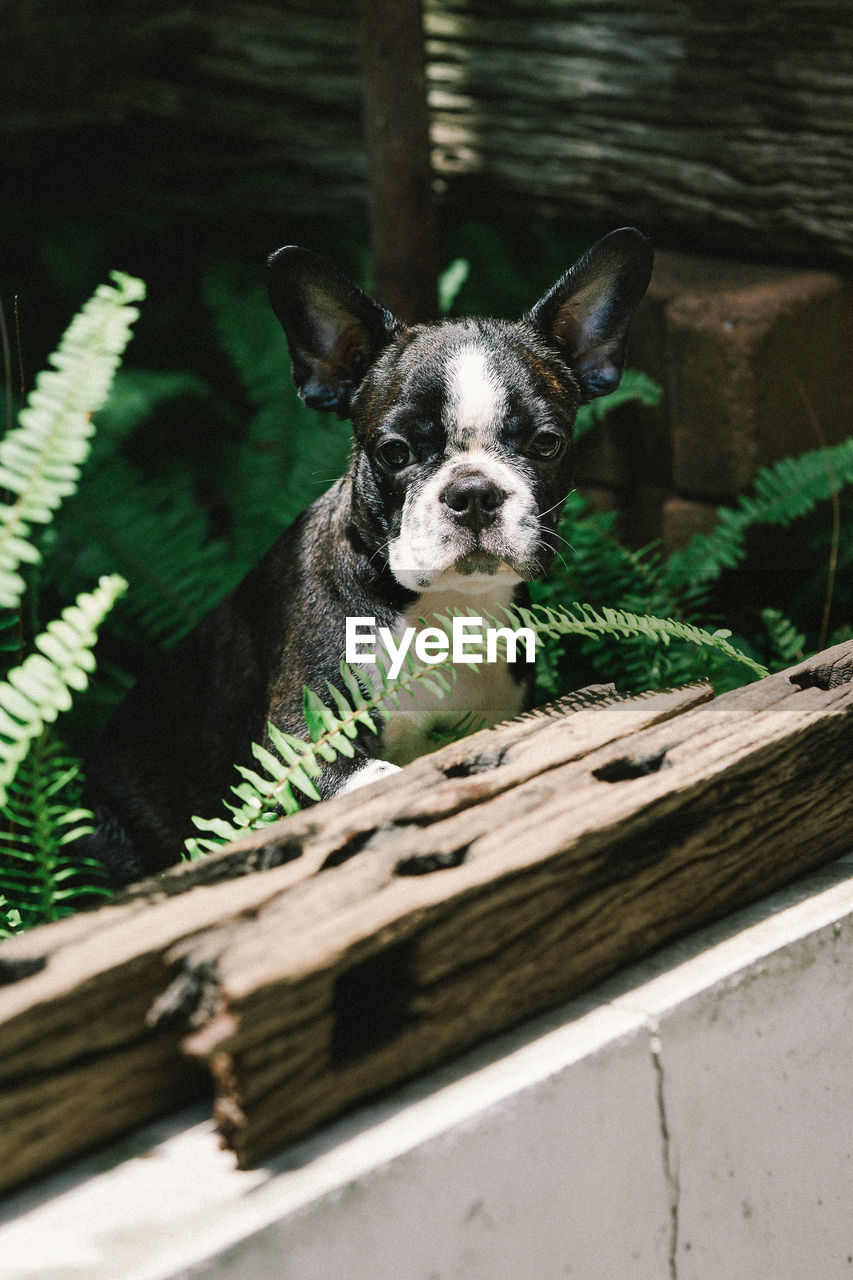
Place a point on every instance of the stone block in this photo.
(599, 497)
(630, 446)
(754, 361)
(640, 516)
(681, 518)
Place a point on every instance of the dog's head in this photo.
(464, 428)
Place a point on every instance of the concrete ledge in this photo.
(693, 1119)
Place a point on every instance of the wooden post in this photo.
(399, 158)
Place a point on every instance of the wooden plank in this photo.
(409, 920)
(709, 126)
(727, 131)
(47, 1118)
(352, 981)
(80, 997)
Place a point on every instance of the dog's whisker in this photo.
(558, 503)
(558, 537)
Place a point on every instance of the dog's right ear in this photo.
(587, 313)
(334, 329)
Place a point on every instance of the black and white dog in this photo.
(461, 462)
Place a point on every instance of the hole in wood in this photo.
(826, 677)
(422, 864)
(478, 764)
(190, 1000)
(371, 1003)
(628, 767)
(15, 970)
(348, 850)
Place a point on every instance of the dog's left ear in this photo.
(334, 329)
(587, 313)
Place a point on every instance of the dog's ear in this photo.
(334, 330)
(587, 313)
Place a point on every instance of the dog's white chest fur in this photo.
(487, 692)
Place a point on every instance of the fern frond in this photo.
(262, 794)
(40, 460)
(11, 921)
(288, 454)
(10, 638)
(620, 624)
(35, 692)
(788, 644)
(158, 538)
(450, 282)
(136, 397)
(598, 568)
(41, 876)
(634, 385)
(781, 494)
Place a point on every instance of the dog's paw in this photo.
(368, 773)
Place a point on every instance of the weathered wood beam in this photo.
(402, 923)
(445, 930)
(727, 127)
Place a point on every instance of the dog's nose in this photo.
(474, 500)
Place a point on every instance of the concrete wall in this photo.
(692, 1120)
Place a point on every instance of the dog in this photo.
(461, 461)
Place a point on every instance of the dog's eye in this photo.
(545, 444)
(395, 454)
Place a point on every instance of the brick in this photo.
(681, 518)
(755, 363)
(640, 514)
(629, 447)
(599, 497)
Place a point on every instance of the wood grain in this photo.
(565, 877)
(395, 926)
(715, 127)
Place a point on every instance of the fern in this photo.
(10, 638)
(34, 693)
(788, 644)
(634, 387)
(587, 621)
(450, 282)
(331, 733)
(40, 459)
(154, 531)
(158, 538)
(11, 920)
(597, 569)
(262, 795)
(41, 879)
(782, 493)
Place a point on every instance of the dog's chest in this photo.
(481, 694)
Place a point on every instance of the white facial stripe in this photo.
(476, 401)
(482, 460)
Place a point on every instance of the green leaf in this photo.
(40, 459)
(450, 282)
(35, 693)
